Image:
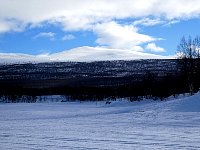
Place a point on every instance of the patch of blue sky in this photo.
(172, 34)
(27, 41)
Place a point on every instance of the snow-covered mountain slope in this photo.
(80, 54)
(166, 125)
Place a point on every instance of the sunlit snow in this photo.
(171, 124)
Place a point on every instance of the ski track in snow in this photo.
(173, 124)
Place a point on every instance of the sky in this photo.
(93, 30)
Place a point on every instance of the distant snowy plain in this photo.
(121, 125)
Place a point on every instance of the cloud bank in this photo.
(120, 36)
(82, 15)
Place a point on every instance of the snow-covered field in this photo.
(172, 124)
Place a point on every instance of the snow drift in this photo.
(172, 124)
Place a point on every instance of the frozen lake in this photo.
(173, 124)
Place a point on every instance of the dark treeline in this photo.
(155, 83)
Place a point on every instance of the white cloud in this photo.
(171, 22)
(148, 22)
(49, 35)
(155, 21)
(115, 35)
(81, 54)
(11, 25)
(152, 47)
(68, 37)
(82, 15)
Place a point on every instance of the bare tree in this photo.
(196, 47)
(189, 48)
(189, 51)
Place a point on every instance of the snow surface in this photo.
(81, 54)
(172, 124)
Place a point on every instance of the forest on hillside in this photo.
(155, 79)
